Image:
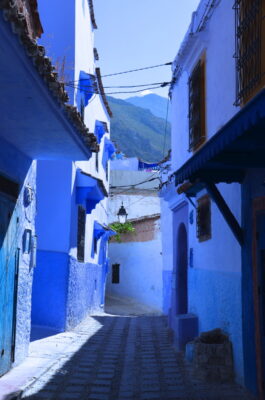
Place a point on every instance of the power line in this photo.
(165, 133)
(119, 92)
(138, 69)
(134, 86)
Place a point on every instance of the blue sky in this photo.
(137, 33)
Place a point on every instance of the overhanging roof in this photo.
(236, 147)
(89, 190)
(34, 115)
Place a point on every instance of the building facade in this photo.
(72, 247)
(35, 125)
(214, 196)
(135, 267)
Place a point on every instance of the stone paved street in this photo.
(125, 357)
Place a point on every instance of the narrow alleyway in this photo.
(124, 357)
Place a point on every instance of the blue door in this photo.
(8, 275)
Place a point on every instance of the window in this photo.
(82, 110)
(250, 48)
(81, 233)
(197, 134)
(115, 273)
(95, 245)
(107, 171)
(96, 162)
(204, 219)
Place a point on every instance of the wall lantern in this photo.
(122, 214)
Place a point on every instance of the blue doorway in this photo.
(182, 271)
(260, 299)
(8, 280)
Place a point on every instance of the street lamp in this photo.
(122, 214)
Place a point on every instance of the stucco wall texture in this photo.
(84, 291)
(22, 170)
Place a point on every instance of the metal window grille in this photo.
(115, 273)
(248, 34)
(196, 107)
(204, 218)
(81, 233)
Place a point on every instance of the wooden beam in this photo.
(226, 212)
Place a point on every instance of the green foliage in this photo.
(137, 132)
(121, 228)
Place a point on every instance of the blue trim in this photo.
(88, 191)
(100, 130)
(86, 86)
(223, 158)
(108, 150)
(144, 165)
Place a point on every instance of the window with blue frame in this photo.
(101, 128)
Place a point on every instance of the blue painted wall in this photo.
(59, 34)
(167, 284)
(84, 291)
(21, 169)
(54, 179)
(252, 187)
(215, 297)
(50, 287)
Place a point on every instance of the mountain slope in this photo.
(137, 132)
(154, 103)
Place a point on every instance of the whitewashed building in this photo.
(135, 268)
(213, 201)
(72, 202)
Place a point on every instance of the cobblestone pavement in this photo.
(125, 357)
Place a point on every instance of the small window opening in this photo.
(115, 273)
(107, 171)
(95, 245)
(96, 162)
(81, 233)
(82, 110)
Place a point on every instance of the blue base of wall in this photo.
(215, 297)
(64, 290)
(167, 284)
(50, 286)
(85, 291)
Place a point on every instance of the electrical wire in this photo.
(73, 86)
(134, 86)
(165, 133)
(135, 70)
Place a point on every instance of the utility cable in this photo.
(165, 133)
(120, 92)
(134, 86)
(135, 70)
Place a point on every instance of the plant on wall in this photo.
(119, 228)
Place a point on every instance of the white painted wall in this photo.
(140, 262)
(215, 278)
(140, 271)
(95, 110)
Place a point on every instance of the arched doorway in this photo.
(182, 271)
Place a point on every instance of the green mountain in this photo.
(137, 132)
(154, 103)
